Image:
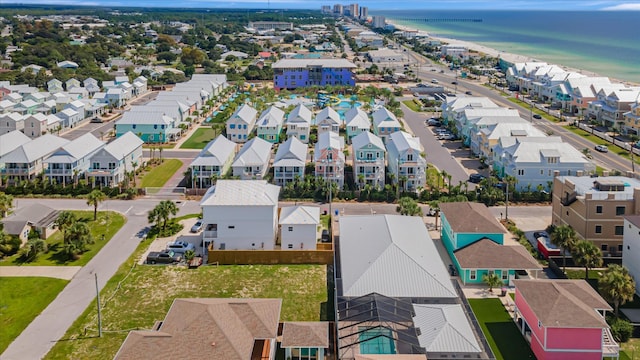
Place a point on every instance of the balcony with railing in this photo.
(100, 172)
(18, 170)
(610, 348)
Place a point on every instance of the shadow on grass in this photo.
(511, 344)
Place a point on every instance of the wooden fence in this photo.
(269, 257)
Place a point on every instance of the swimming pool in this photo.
(380, 341)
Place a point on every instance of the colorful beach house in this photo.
(474, 240)
(241, 124)
(564, 320)
(328, 120)
(151, 127)
(406, 161)
(368, 160)
(269, 125)
(385, 123)
(295, 73)
(299, 123)
(329, 158)
(357, 121)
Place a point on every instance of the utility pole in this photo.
(98, 304)
(506, 203)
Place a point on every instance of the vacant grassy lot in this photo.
(199, 139)
(501, 332)
(147, 293)
(108, 224)
(21, 300)
(414, 105)
(159, 175)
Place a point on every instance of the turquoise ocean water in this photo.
(604, 42)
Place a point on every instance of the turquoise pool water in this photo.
(383, 344)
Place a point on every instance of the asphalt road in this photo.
(50, 326)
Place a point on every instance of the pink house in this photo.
(329, 158)
(564, 320)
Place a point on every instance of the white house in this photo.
(299, 123)
(38, 124)
(406, 162)
(10, 122)
(27, 160)
(631, 247)
(534, 160)
(214, 160)
(328, 120)
(385, 123)
(290, 161)
(240, 215)
(241, 124)
(299, 227)
(9, 142)
(72, 160)
(110, 164)
(252, 162)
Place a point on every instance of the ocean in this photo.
(603, 42)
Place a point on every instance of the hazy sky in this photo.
(622, 5)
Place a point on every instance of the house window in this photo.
(521, 172)
(232, 126)
(603, 247)
(472, 275)
(133, 126)
(155, 126)
(619, 230)
(598, 229)
(231, 227)
(539, 324)
(620, 210)
(620, 247)
(290, 246)
(410, 157)
(598, 209)
(290, 228)
(505, 274)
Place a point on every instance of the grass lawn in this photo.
(148, 291)
(199, 139)
(160, 174)
(413, 105)
(630, 349)
(501, 332)
(434, 177)
(21, 300)
(108, 223)
(535, 110)
(596, 140)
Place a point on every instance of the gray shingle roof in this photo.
(469, 217)
(486, 254)
(391, 255)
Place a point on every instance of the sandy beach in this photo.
(510, 57)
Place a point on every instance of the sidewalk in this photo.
(58, 272)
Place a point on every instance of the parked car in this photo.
(163, 257)
(433, 122)
(325, 236)
(180, 246)
(468, 92)
(454, 83)
(602, 148)
(439, 130)
(431, 212)
(537, 116)
(434, 81)
(197, 227)
(538, 234)
(476, 178)
(446, 136)
(96, 120)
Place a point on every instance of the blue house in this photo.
(151, 127)
(475, 241)
(296, 73)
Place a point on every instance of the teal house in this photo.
(475, 240)
(269, 125)
(151, 127)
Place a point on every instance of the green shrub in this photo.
(621, 329)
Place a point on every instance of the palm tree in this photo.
(564, 237)
(162, 212)
(408, 207)
(586, 254)
(94, 199)
(64, 221)
(510, 181)
(617, 286)
(6, 203)
(134, 165)
(492, 280)
(436, 207)
(79, 235)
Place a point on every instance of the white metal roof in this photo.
(245, 113)
(296, 215)
(357, 117)
(401, 141)
(12, 140)
(140, 118)
(271, 117)
(216, 153)
(329, 139)
(328, 115)
(301, 114)
(35, 149)
(444, 328)
(384, 118)
(254, 152)
(365, 138)
(76, 149)
(241, 192)
(291, 153)
(391, 255)
(123, 145)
